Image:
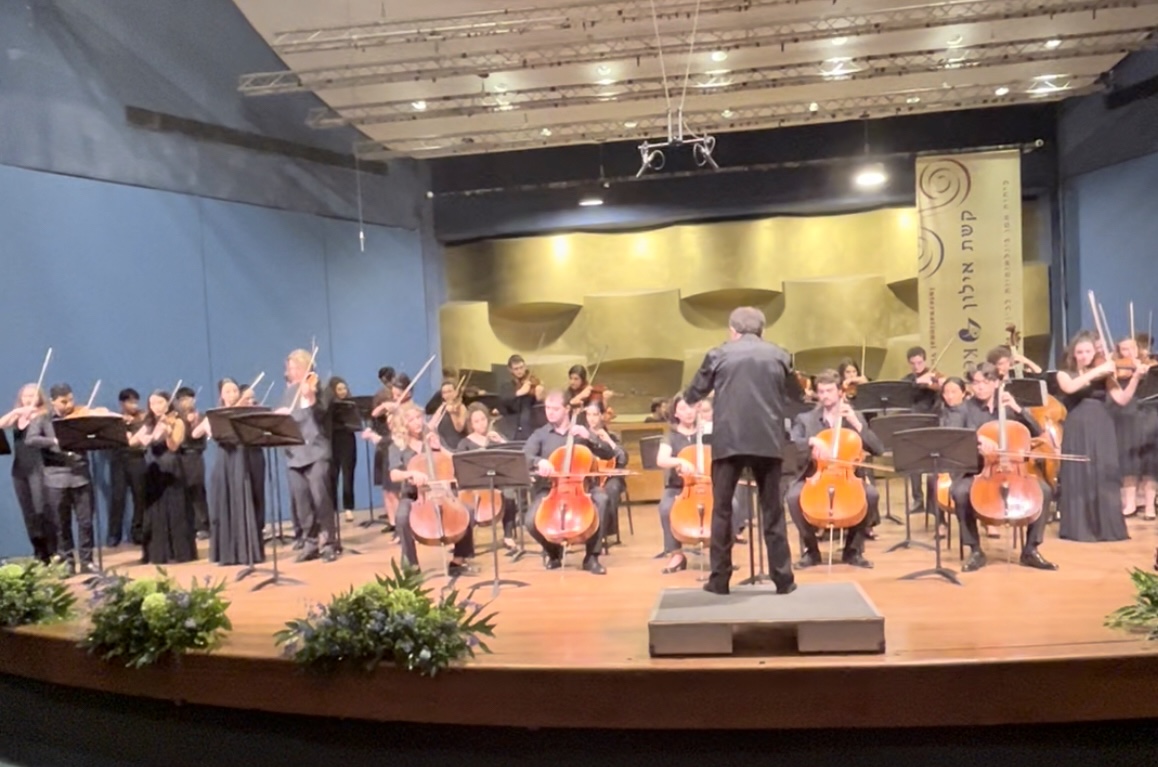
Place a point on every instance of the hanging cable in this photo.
(659, 50)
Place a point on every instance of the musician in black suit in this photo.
(805, 429)
(748, 376)
(309, 463)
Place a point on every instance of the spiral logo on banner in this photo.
(943, 182)
(930, 253)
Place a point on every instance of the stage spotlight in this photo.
(870, 177)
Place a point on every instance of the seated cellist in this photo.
(831, 408)
(542, 443)
(682, 434)
(978, 410)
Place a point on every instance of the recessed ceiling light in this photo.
(913, 100)
(1002, 91)
(1051, 44)
(719, 56)
(602, 70)
(839, 41)
(870, 177)
(590, 202)
(813, 107)
(418, 105)
(545, 132)
(727, 113)
(500, 87)
(605, 81)
(956, 40)
(630, 124)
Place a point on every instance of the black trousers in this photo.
(342, 464)
(959, 492)
(594, 544)
(309, 488)
(126, 477)
(193, 467)
(33, 499)
(64, 502)
(854, 537)
(725, 475)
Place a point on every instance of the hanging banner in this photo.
(969, 256)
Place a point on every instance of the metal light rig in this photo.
(651, 155)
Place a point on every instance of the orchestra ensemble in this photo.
(1087, 457)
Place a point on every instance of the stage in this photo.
(572, 649)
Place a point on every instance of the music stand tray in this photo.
(1027, 392)
(935, 451)
(221, 421)
(883, 396)
(886, 427)
(492, 470)
(346, 415)
(90, 434)
(1147, 391)
(270, 430)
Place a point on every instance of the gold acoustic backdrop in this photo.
(646, 306)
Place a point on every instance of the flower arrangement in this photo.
(33, 592)
(1142, 616)
(142, 621)
(392, 620)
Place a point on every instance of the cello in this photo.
(1005, 492)
(438, 516)
(691, 514)
(567, 514)
(834, 496)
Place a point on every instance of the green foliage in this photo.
(32, 592)
(1142, 616)
(393, 620)
(142, 621)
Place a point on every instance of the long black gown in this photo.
(1091, 498)
(169, 531)
(235, 538)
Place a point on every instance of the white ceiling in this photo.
(483, 76)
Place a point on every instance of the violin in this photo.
(567, 515)
(834, 496)
(691, 514)
(438, 516)
(1005, 492)
(804, 381)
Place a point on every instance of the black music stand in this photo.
(935, 451)
(344, 413)
(886, 427)
(1147, 390)
(365, 406)
(221, 427)
(5, 448)
(492, 470)
(270, 431)
(516, 446)
(92, 434)
(1027, 392)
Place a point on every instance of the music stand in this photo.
(935, 451)
(878, 398)
(1027, 392)
(92, 434)
(516, 446)
(270, 431)
(221, 427)
(491, 470)
(344, 414)
(886, 427)
(1146, 392)
(365, 406)
(5, 448)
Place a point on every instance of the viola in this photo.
(834, 496)
(438, 516)
(567, 515)
(691, 514)
(1005, 492)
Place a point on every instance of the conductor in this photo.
(748, 375)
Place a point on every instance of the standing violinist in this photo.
(832, 408)
(977, 411)
(925, 386)
(28, 472)
(193, 460)
(519, 396)
(1135, 429)
(169, 529)
(452, 426)
(413, 445)
(749, 376)
(540, 445)
(308, 464)
(127, 475)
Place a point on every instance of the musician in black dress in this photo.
(67, 481)
(977, 411)
(127, 475)
(308, 464)
(193, 461)
(748, 376)
(1134, 424)
(255, 461)
(169, 526)
(682, 434)
(28, 472)
(482, 437)
(830, 410)
(344, 444)
(540, 445)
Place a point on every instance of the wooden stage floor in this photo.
(1031, 642)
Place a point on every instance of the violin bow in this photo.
(268, 391)
(418, 375)
(43, 370)
(941, 353)
(172, 396)
(302, 383)
(1098, 323)
(1132, 333)
(863, 352)
(92, 397)
(256, 381)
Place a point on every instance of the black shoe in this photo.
(87, 568)
(857, 560)
(591, 565)
(299, 544)
(723, 592)
(551, 563)
(683, 565)
(809, 559)
(975, 561)
(329, 554)
(784, 590)
(456, 569)
(112, 543)
(1033, 558)
(307, 553)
